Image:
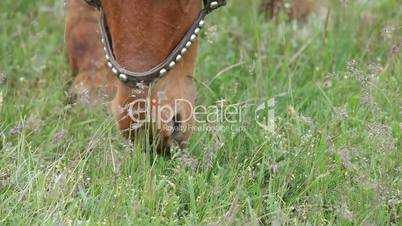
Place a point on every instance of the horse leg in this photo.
(92, 81)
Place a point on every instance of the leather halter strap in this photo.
(132, 79)
(210, 5)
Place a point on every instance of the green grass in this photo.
(335, 157)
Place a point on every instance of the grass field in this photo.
(334, 157)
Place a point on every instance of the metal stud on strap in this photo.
(211, 5)
(214, 5)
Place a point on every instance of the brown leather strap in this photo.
(95, 3)
(133, 78)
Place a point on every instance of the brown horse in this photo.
(142, 33)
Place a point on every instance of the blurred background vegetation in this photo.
(335, 156)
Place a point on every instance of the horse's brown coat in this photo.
(143, 34)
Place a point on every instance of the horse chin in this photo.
(164, 112)
(163, 135)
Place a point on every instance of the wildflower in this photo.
(59, 137)
(60, 181)
(17, 129)
(341, 114)
(345, 213)
(353, 71)
(186, 160)
(387, 32)
(381, 135)
(368, 82)
(33, 122)
(327, 83)
(395, 50)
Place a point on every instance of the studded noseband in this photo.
(133, 78)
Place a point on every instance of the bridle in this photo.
(133, 78)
